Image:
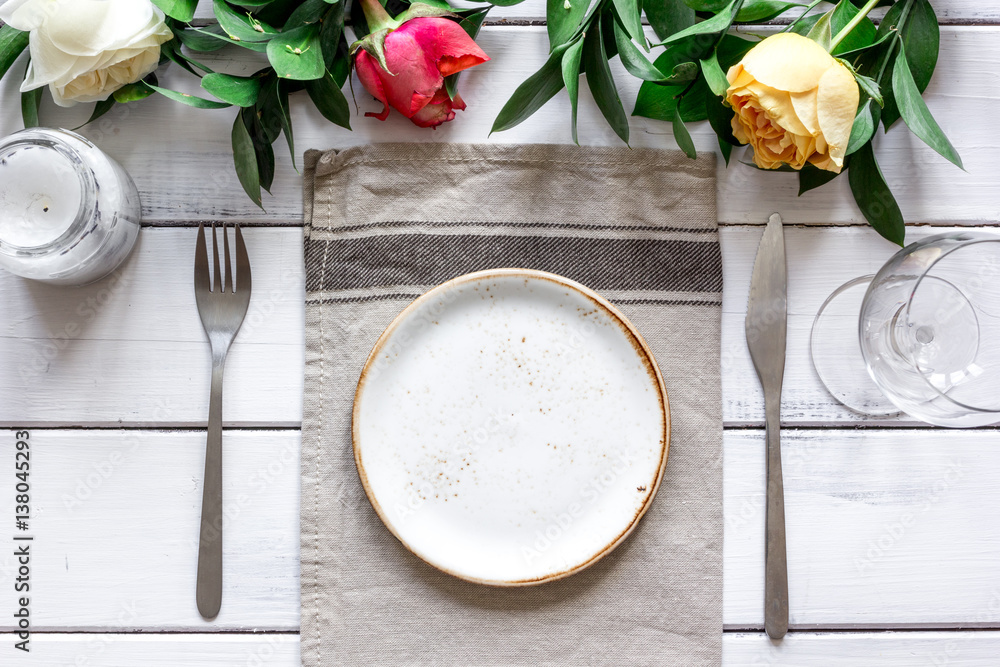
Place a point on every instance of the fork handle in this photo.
(209, 593)
(775, 564)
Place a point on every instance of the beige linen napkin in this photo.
(385, 223)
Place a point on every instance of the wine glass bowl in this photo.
(929, 329)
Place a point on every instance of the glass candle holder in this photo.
(69, 214)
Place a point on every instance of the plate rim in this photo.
(642, 348)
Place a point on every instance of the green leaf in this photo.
(262, 148)
(668, 16)
(329, 100)
(873, 196)
(12, 44)
(811, 177)
(821, 32)
(182, 10)
(657, 101)
(717, 24)
(720, 117)
(571, 78)
(238, 90)
(259, 47)
(245, 159)
(600, 81)
(342, 69)
(861, 36)
(269, 108)
(285, 117)
(100, 109)
(536, 90)
(30, 101)
(562, 17)
(630, 15)
(310, 11)
(171, 50)
(505, 3)
(184, 98)
(330, 33)
(241, 26)
(197, 40)
(755, 11)
(706, 5)
(915, 112)
(869, 87)
(920, 38)
(132, 92)
(732, 49)
(863, 128)
(633, 60)
(714, 76)
(297, 54)
(805, 24)
(854, 53)
(683, 137)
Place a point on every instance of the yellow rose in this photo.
(794, 103)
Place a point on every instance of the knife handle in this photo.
(775, 564)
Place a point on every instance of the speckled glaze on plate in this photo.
(510, 427)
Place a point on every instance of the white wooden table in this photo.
(893, 541)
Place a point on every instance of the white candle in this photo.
(69, 214)
(40, 195)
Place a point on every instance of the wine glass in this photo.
(922, 336)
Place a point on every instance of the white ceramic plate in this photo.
(510, 427)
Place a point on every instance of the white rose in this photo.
(84, 50)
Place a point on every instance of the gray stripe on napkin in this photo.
(384, 223)
(421, 259)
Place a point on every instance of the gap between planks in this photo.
(803, 629)
(185, 427)
(291, 224)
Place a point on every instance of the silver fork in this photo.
(222, 307)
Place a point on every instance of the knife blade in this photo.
(766, 331)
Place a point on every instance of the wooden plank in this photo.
(886, 528)
(115, 517)
(856, 649)
(130, 350)
(125, 650)
(181, 157)
(798, 649)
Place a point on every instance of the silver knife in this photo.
(765, 330)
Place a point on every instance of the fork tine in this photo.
(201, 277)
(229, 270)
(242, 263)
(217, 285)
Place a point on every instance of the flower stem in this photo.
(375, 15)
(870, 5)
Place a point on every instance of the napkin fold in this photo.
(385, 223)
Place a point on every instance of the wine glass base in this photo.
(836, 352)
